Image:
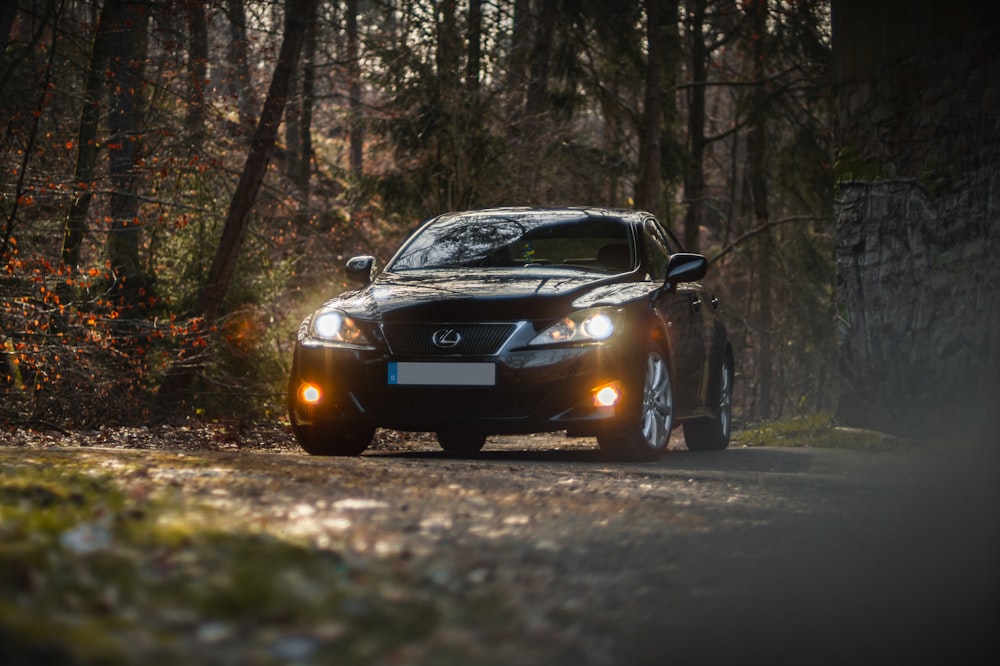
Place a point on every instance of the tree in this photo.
(355, 126)
(783, 250)
(194, 123)
(298, 123)
(538, 60)
(26, 152)
(474, 39)
(702, 49)
(400, 109)
(648, 196)
(7, 14)
(694, 176)
(126, 57)
(214, 289)
(87, 139)
(520, 45)
(240, 81)
(224, 264)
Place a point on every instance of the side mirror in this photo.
(361, 270)
(685, 267)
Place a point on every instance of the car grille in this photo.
(474, 339)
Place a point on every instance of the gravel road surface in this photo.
(750, 555)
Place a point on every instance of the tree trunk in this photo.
(538, 66)
(194, 122)
(238, 218)
(694, 174)
(292, 146)
(239, 81)
(357, 138)
(298, 119)
(448, 49)
(10, 214)
(519, 48)
(474, 33)
(234, 231)
(7, 13)
(756, 155)
(306, 110)
(449, 174)
(127, 53)
(86, 140)
(652, 117)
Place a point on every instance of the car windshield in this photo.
(515, 242)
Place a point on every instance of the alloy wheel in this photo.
(657, 402)
(726, 400)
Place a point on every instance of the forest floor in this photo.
(215, 544)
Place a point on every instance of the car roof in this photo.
(626, 215)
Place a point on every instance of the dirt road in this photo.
(552, 555)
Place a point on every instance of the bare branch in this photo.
(739, 240)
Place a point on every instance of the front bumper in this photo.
(535, 390)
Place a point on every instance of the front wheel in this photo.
(647, 432)
(461, 442)
(712, 434)
(334, 441)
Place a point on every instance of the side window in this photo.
(657, 250)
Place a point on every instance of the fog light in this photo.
(607, 395)
(310, 394)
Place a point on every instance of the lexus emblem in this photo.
(446, 338)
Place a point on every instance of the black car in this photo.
(519, 320)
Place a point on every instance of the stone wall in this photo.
(918, 241)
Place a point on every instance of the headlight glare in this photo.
(599, 327)
(334, 326)
(328, 325)
(586, 326)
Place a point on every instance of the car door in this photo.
(681, 311)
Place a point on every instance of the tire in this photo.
(646, 435)
(461, 442)
(334, 441)
(712, 434)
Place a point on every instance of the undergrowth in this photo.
(113, 566)
(817, 431)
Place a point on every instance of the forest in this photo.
(183, 180)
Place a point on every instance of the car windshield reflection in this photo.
(594, 244)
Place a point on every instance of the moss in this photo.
(816, 431)
(849, 165)
(28, 637)
(175, 575)
(937, 178)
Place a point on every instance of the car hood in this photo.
(459, 296)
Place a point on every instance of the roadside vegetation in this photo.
(817, 431)
(183, 180)
(106, 561)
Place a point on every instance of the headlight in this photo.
(585, 326)
(334, 326)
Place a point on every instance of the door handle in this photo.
(695, 304)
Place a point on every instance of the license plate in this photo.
(443, 374)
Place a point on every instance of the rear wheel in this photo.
(334, 441)
(647, 433)
(461, 442)
(712, 434)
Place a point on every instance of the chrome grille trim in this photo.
(476, 339)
